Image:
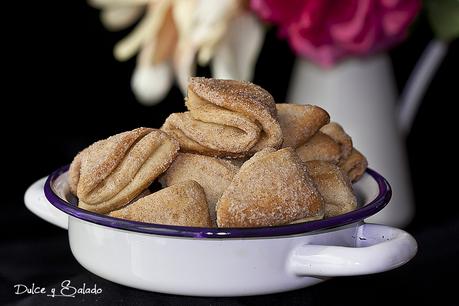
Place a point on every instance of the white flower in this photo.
(175, 34)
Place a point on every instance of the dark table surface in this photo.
(77, 93)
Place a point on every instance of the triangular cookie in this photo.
(300, 122)
(337, 133)
(181, 204)
(320, 147)
(271, 188)
(354, 165)
(334, 186)
(213, 174)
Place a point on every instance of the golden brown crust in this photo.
(74, 173)
(300, 122)
(226, 118)
(336, 131)
(182, 204)
(355, 165)
(227, 122)
(139, 156)
(187, 145)
(98, 160)
(238, 96)
(215, 139)
(334, 186)
(271, 188)
(320, 147)
(213, 174)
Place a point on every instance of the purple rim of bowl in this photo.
(359, 214)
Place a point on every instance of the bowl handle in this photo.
(37, 203)
(378, 248)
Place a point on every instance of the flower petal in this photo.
(278, 11)
(166, 39)
(144, 32)
(236, 54)
(348, 30)
(116, 3)
(118, 18)
(208, 14)
(151, 84)
(184, 64)
(210, 22)
(183, 19)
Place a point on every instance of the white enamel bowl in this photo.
(226, 261)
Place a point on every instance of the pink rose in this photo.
(328, 30)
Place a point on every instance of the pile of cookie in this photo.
(234, 159)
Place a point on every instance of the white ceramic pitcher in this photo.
(360, 94)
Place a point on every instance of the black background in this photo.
(65, 90)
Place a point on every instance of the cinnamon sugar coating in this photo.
(271, 188)
(300, 122)
(337, 133)
(225, 118)
(230, 171)
(110, 173)
(213, 174)
(181, 204)
(320, 147)
(334, 186)
(355, 165)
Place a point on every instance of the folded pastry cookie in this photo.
(271, 188)
(300, 122)
(225, 118)
(110, 173)
(354, 165)
(337, 133)
(334, 186)
(213, 174)
(181, 204)
(320, 147)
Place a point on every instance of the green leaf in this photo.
(443, 17)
